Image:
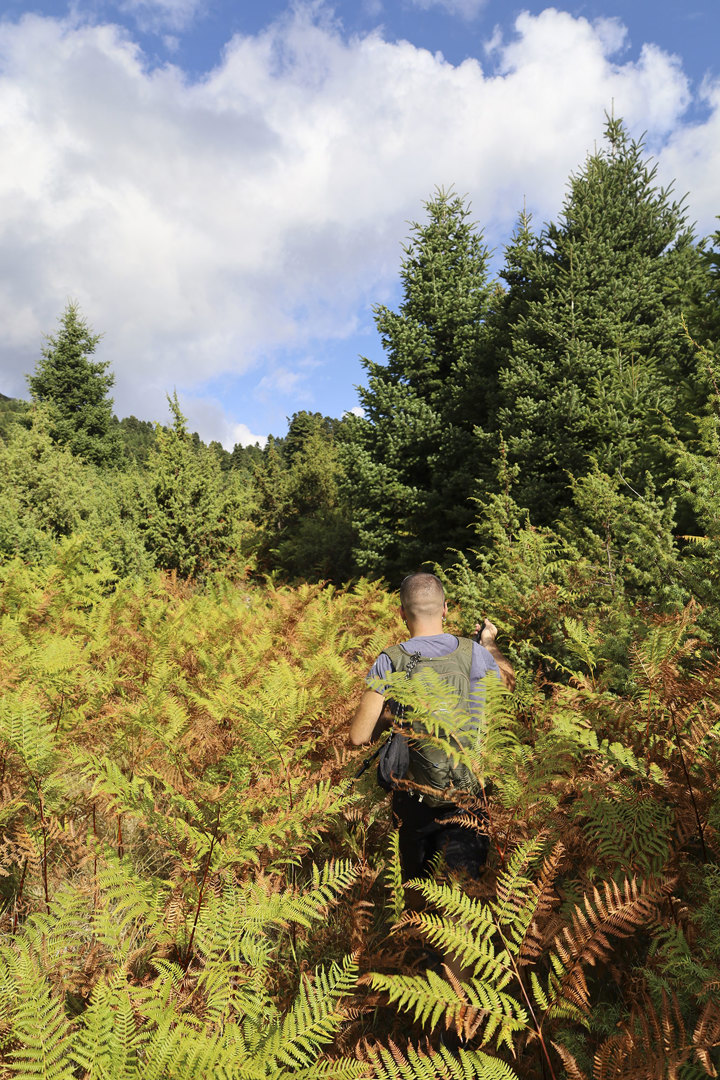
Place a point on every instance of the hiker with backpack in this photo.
(429, 821)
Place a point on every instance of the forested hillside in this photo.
(192, 884)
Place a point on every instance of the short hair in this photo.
(422, 595)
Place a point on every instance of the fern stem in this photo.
(279, 754)
(95, 888)
(521, 984)
(43, 825)
(60, 711)
(18, 898)
(491, 828)
(689, 784)
(202, 889)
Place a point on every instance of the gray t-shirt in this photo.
(483, 663)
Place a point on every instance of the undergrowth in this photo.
(193, 885)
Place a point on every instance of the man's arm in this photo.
(368, 723)
(488, 633)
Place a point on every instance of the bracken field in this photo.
(194, 886)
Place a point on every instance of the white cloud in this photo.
(494, 42)
(285, 382)
(207, 416)
(242, 434)
(466, 9)
(203, 224)
(692, 158)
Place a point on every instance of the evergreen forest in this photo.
(194, 883)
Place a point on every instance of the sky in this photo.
(224, 188)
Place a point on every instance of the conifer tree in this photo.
(75, 390)
(47, 493)
(301, 509)
(410, 459)
(189, 517)
(588, 342)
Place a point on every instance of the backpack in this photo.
(418, 760)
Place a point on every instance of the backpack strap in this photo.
(394, 654)
(464, 653)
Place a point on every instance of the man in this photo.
(425, 830)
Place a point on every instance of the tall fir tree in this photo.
(588, 342)
(410, 459)
(75, 390)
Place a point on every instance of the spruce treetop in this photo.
(588, 342)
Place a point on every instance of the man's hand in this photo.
(488, 632)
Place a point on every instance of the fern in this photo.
(391, 1064)
(39, 1025)
(313, 1019)
(393, 876)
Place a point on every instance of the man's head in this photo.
(422, 597)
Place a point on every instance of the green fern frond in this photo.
(39, 1025)
(430, 998)
(474, 949)
(516, 893)
(394, 876)
(314, 1017)
(629, 831)
(24, 727)
(439, 1064)
(107, 1044)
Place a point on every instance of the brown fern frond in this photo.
(706, 1035)
(613, 912)
(546, 899)
(656, 1045)
(468, 1019)
(361, 916)
(573, 1070)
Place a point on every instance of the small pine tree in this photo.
(75, 390)
(704, 315)
(47, 493)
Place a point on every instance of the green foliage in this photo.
(589, 345)
(12, 410)
(191, 519)
(164, 920)
(136, 439)
(301, 507)
(44, 491)
(192, 887)
(409, 460)
(628, 536)
(75, 390)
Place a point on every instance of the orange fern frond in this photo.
(616, 912)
